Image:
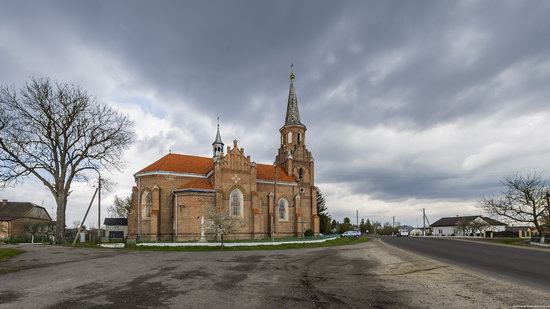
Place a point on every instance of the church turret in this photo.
(293, 154)
(217, 145)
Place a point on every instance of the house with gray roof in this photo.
(466, 225)
(19, 219)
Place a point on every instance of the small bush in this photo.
(308, 233)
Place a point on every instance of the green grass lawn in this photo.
(507, 241)
(328, 243)
(6, 253)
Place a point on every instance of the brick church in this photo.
(173, 193)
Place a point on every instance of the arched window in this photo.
(282, 139)
(147, 202)
(301, 174)
(289, 140)
(236, 203)
(283, 210)
(299, 137)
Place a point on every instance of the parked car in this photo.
(354, 234)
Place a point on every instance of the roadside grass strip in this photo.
(6, 253)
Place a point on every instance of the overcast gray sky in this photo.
(408, 104)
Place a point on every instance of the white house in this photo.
(116, 228)
(453, 226)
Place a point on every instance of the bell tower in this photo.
(293, 154)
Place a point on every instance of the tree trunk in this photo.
(222, 241)
(61, 201)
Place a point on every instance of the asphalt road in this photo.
(516, 264)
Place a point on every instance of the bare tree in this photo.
(76, 224)
(58, 133)
(464, 226)
(478, 226)
(524, 200)
(36, 229)
(121, 208)
(220, 222)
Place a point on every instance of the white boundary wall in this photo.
(230, 244)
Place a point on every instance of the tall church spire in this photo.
(217, 145)
(292, 112)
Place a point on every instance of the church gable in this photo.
(235, 159)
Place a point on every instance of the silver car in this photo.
(354, 234)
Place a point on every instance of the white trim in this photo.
(210, 173)
(192, 189)
(170, 174)
(229, 244)
(278, 182)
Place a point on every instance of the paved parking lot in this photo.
(371, 274)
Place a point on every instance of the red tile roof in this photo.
(197, 183)
(179, 163)
(267, 172)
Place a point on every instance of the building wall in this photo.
(116, 228)
(18, 227)
(450, 230)
(177, 216)
(4, 229)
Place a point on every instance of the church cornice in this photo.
(278, 183)
(167, 173)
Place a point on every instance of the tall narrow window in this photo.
(289, 140)
(236, 202)
(283, 209)
(299, 137)
(147, 202)
(301, 174)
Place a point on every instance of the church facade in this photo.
(173, 193)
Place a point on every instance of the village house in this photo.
(22, 219)
(452, 226)
(115, 228)
(173, 194)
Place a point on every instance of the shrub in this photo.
(308, 233)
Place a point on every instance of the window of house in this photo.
(147, 202)
(236, 202)
(283, 209)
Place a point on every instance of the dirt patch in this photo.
(9, 296)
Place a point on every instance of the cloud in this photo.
(406, 104)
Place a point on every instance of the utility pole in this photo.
(99, 210)
(357, 217)
(423, 221)
(393, 226)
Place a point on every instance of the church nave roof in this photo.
(186, 164)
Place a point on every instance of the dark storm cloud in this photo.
(406, 66)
